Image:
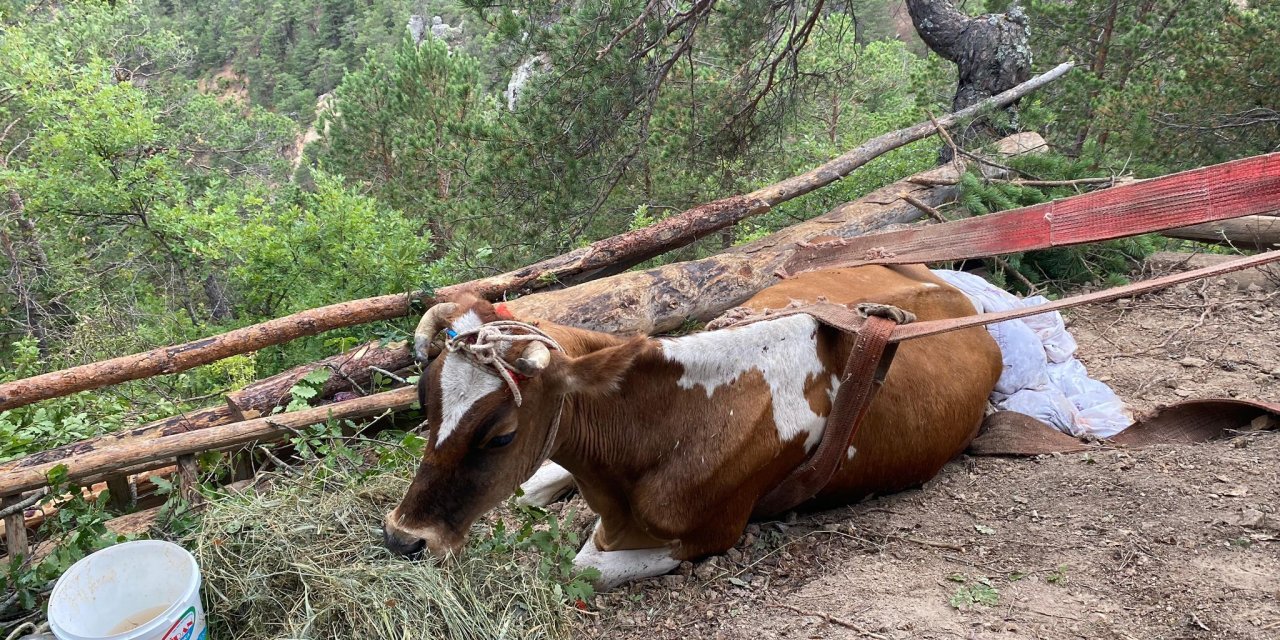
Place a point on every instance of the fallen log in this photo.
(1255, 233)
(352, 370)
(613, 253)
(112, 459)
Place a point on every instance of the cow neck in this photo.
(593, 426)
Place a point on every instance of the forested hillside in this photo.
(173, 168)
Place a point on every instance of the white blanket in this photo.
(1042, 377)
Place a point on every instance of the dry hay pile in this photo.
(304, 559)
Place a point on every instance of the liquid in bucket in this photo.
(142, 590)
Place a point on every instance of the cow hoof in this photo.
(552, 482)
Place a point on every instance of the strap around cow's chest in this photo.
(864, 373)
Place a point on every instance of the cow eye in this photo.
(501, 441)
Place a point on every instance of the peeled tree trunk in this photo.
(1261, 233)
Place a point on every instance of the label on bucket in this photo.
(186, 626)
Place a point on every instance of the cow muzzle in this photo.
(413, 542)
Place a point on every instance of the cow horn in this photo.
(536, 358)
(431, 324)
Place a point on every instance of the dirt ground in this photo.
(1166, 542)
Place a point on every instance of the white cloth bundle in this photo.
(1042, 377)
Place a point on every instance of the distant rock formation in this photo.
(521, 76)
(418, 29)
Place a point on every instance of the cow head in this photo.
(482, 439)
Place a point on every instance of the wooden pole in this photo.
(1255, 233)
(15, 525)
(614, 253)
(114, 458)
(664, 298)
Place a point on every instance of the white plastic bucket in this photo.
(142, 590)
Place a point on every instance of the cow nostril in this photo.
(415, 550)
(412, 548)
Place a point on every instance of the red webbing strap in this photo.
(934, 327)
(1243, 187)
(864, 373)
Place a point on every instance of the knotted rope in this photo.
(488, 343)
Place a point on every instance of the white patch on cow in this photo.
(929, 285)
(547, 485)
(466, 322)
(618, 567)
(462, 384)
(853, 451)
(785, 351)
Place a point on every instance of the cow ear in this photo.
(598, 372)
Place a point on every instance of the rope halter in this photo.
(488, 343)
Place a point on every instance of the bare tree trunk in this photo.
(1257, 233)
(29, 274)
(215, 290)
(664, 298)
(991, 54)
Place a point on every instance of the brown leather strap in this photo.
(864, 373)
(934, 327)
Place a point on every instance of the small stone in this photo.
(685, 569)
(672, 581)
(1262, 423)
(1221, 282)
(734, 555)
(1182, 393)
(1250, 518)
(1253, 288)
(706, 570)
(1192, 361)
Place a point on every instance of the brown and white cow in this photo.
(673, 440)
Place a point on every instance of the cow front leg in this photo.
(550, 483)
(620, 567)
